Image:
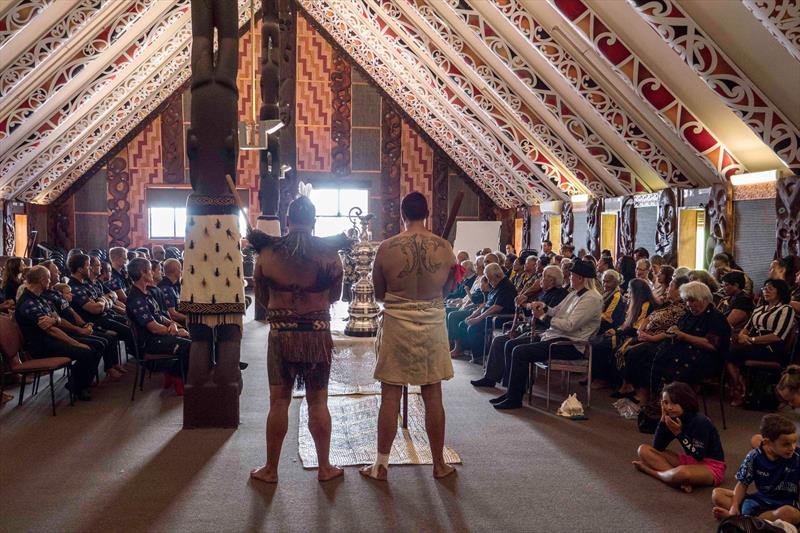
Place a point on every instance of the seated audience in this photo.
(788, 388)
(644, 270)
(478, 299)
(510, 249)
(170, 286)
(119, 282)
(701, 462)
(613, 304)
(566, 266)
(737, 305)
(472, 331)
(552, 294)
(44, 338)
(526, 276)
(534, 285)
(547, 249)
(159, 254)
(640, 304)
(576, 318)
(626, 266)
(568, 251)
(656, 262)
(604, 263)
(774, 468)
(723, 263)
(640, 253)
(661, 285)
(639, 353)
(99, 289)
(155, 332)
(155, 292)
(764, 336)
(12, 278)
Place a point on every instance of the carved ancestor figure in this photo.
(212, 292)
(627, 227)
(667, 226)
(787, 209)
(545, 233)
(594, 208)
(567, 223)
(717, 217)
(526, 228)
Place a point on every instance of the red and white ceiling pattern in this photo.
(534, 99)
(76, 77)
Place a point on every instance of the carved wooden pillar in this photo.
(787, 211)
(9, 237)
(269, 159)
(172, 142)
(545, 231)
(626, 233)
(667, 226)
(341, 118)
(439, 209)
(287, 58)
(391, 126)
(719, 217)
(526, 228)
(119, 184)
(567, 223)
(594, 210)
(506, 218)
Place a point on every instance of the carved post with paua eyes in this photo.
(212, 290)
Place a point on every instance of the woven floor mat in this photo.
(355, 422)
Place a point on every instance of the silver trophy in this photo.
(363, 310)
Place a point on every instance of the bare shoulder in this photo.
(418, 253)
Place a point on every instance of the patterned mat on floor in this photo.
(355, 421)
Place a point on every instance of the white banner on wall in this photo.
(473, 236)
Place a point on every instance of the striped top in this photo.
(777, 320)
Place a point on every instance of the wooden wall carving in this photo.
(506, 218)
(440, 208)
(626, 234)
(287, 100)
(341, 118)
(787, 210)
(719, 217)
(526, 228)
(172, 142)
(594, 210)
(667, 226)
(269, 160)
(545, 230)
(9, 237)
(119, 185)
(391, 130)
(567, 223)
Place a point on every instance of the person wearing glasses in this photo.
(764, 336)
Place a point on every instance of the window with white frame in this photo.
(170, 222)
(333, 204)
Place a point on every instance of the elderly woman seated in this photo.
(635, 356)
(705, 277)
(737, 305)
(613, 301)
(502, 346)
(472, 331)
(576, 318)
(695, 346)
(466, 282)
(764, 336)
(477, 300)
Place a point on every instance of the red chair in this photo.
(143, 358)
(14, 363)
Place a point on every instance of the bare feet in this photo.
(442, 471)
(121, 369)
(687, 488)
(638, 465)
(381, 474)
(721, 512)
(113, 374)
(327, 473)
(264, 474)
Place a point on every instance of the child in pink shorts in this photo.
(702, 461)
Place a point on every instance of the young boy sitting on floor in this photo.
(702, 462)
(774, 467)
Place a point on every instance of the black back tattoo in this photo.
(419, 254)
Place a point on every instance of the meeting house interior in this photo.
(224, 214)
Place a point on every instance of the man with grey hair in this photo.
(170, 286)
(159, 253)
(499, 302)
(500, 352)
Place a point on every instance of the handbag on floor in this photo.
(752, 524)
(649, 416)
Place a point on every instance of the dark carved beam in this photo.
(667, 226)
(287, 20)
(787, 210)
(9, 237)
(269, 160)
(567, 223)
(341, 85)
(626, 233)
(391, 126)
(119, 184)
(172, 142)
(441, 173)
(526, 228)
(594, 210)
(719, 217)
(544, 233)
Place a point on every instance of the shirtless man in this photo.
(412, 274)
(298, 277)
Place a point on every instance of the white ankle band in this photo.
(382, 460)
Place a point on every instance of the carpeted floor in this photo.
(113, 465)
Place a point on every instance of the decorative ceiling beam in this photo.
(723, 77)
(476, 98)
(571, 71)
(379, 61)
(782, 20)
(15, 43)
(492, 100)
(15, 15)
(627, 65)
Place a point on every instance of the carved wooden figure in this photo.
(526, 228)
(787, 209)
(545, 231)
(594, 210)
(212, 291)
(626, 234)
(667, 226)
(719, 217)
(567, 223)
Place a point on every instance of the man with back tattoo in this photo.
(413, 271)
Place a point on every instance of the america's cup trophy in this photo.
(363, 310)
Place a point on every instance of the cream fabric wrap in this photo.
(412, 345)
